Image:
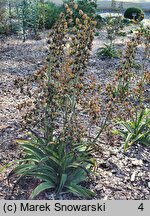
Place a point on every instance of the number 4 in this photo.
(141, 207)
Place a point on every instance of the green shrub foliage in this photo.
(99, 20)
(130, 11)
(34, 14)
(28, 15)
(49, 14)
(87, 6)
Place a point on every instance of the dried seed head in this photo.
(81, 12)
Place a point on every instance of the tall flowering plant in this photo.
(62, 101)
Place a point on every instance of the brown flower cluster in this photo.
(147, 76)
(145, 32)
(125, 93)
(59, 89)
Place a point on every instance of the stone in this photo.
(113, 152)
(140, 174)
(136, 162)
(133, 176)
(114, 171)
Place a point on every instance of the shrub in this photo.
(24, 16)
(97, 34)
(9, 28)
(1, 29)
(130, 11)
(87, 6)
(50, 14)
(99, 20)
(2, 11)
(4, 25)
(126, 22)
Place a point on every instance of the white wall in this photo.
(57, 1)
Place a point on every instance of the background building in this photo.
(107, 4)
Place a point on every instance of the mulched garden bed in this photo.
(118, 176)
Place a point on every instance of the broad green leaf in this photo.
(31, 158)
(136, 139)
(142, 127)
(5, 166)
(21, 169)
(145, 141)
(77, 176)
(81, 165)
(127, 126)
(140, 117)
(124, 134)
(22, 141)
(80, 191)
(50, 172)
(127, 141)
(62, 182)
(115, 132)
(51, 152)
(52, 165)
(55, 160)
(48, 169)
(40, 188)
(146, 111)
(143, 116)
(34, 150)
(41, 176)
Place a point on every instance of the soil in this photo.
(118, 176)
